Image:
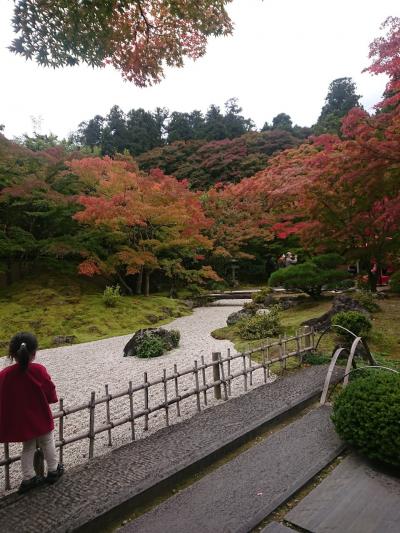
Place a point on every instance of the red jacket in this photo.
(24, 403)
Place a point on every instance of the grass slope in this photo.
(49, 306)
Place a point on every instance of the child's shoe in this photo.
(29, 484)
(52, 477)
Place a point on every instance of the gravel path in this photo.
(77, 370)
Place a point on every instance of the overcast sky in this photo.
(281, 58)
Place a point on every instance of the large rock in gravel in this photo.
(239, 315)
(340, 303)
(60, 340)
(170, 339)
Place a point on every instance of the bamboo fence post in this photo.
(178, 409)
(250, 371)
(216, 376)
(146, 401)
(165, 384)
(223, 377)
(196, 380)
(312, 338)
(61, 430)
(92, 406)
(203, 373)
(298, 347)
(108, 415)
(229, 373)
(244, 372)
(263, 364)
(7, 485)
(130, 392)
(281, 352)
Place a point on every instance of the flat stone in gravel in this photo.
(87, 492)
(240, 494)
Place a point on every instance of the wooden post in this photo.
(263, 364)
(178, 409)
(244, 372)
(312, 338)
(92, 406)
(229, 372)
(61, 430)
(298, 348)
(146, 401)
(222, 373)
(250, 371)
(216, 376)
(130, 392)
(166, 396)
(281, 352)
(203, 374)
(196, 381)
(108, 418)
(7, 485)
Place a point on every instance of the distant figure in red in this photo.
(26, 390)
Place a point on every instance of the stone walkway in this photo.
(92, 490)
(240, 494)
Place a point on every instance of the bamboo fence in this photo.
(258, 359)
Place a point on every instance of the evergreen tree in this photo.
(340, 99)
(215, 128)
(115, 133)
(282, 122)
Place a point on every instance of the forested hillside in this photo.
(183, 213)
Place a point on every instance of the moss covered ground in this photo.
(49, 306)
(384, 339)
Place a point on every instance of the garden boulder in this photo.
(164, 338)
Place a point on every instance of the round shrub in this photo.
(261, 326)
(150, 347)
(395, 282)
(367, 415)
(355, 321)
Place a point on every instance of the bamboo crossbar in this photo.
(221, 381)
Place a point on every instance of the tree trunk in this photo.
(9, 275)
(147, 282)
(124, 284)
(139, 281)
(373, 279)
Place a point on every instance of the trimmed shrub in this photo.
(395, 282)
(261, 326)
(366, 415)
(111, 296)
(150, 347)
(261, 296)
(367, 300)
(327, 261)
(355, 321)
(307, 277)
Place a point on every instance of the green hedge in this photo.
(355, 321)
(367, 415)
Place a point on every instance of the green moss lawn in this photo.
(52, 306)
(384, 339)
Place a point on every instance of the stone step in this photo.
(240, 494)
(97, 489)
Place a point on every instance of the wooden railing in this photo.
(248, 362)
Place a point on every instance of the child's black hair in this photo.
(21, 348)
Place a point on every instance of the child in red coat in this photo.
(26, 390)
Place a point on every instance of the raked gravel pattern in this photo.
(77, 370)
